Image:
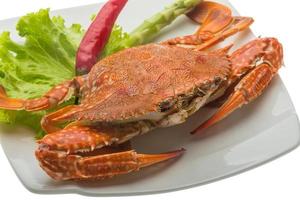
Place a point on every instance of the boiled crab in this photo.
(146, 87)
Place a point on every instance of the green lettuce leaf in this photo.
(115, 41)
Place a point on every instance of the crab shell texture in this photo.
(152, 82)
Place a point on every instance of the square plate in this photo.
(251, 136)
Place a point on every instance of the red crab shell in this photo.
(136, 81)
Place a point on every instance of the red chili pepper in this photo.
(97, 36)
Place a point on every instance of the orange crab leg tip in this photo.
(10, 103)
(224, 50)
(150, 159)
(233, 103)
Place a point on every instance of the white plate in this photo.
(253, 135)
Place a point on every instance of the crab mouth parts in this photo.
(182, 114)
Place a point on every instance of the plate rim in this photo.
(82, 192)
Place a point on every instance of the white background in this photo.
(279, 179)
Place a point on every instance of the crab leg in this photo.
(55, 96)
(72, 153)
(49, 122)
(238, 24)
(265, 54)
(204, 40)
(217, 24)
(213, 18)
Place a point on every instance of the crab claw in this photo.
(247, 90)
(145, 160)
(85, 152)
(265, 55)
(61, 166)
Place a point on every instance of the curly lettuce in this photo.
(113, 45)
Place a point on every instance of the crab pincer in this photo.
(258, 61)
(73, 153)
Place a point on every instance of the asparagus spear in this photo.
(150, 27)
